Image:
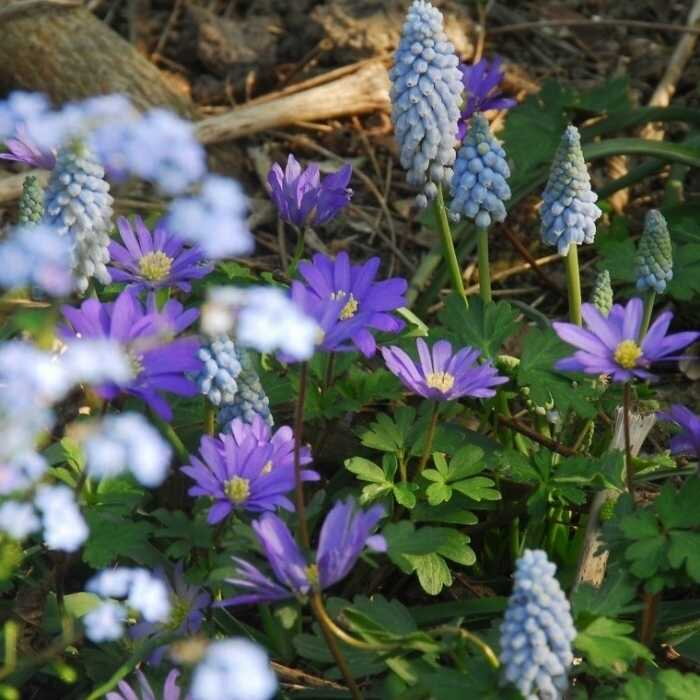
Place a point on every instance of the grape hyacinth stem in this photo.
(646, 630)
(649, 301)
(429, 440)
(573, 284)
(629, 469)
(171, 436)
(449, 246)
(482, 242)
(209, 417)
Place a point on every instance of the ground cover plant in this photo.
(320, 481)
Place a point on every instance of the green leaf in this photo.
(455, 546)
(454, 513)
(433, 573)
(403, 493)
(467, 461)
(685, 546)
(112, 536)
(677, 508)
(605, 471)
(679, 686)
(389, 434)
(646, 556)
(686, 272)
(438, 493)
(607, 645)
(617, 250)
(610, 600)
(479, 488)
(482, 326)
(365, 470)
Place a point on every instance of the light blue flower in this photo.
(18, 519)
(234, 669)
(426, 98)
(479, 187)
(19, 108)
(105, 623)
(568, 210)
(537, 630)
(654, 261)
(215, 219)
(23, 469)
(65, 528)
(250, 399)
(217, 380)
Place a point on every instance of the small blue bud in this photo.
(602, 295)
(654, 261)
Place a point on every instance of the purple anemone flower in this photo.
(187, 604)
(151, 261)
(345, 533)
(171, 690)
(24, 150)
(300, 196)
(442, 375)
(611, 345)
(687, 442)
(355, 286)
(248, 468)
(481, 82)
(159, 363)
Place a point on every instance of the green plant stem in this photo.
(482, 244)
(573, 284)
(209, 417)
(171, 436)
(473, 639)
(330, 369)
(629, 468)
(649, 300)
(648, 623)
(449, 246)
(298, 251)
(429, 440)
(298, 483)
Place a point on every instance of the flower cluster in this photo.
(65, 528)
(217, 380)
(345, 533)
(248, 467)
(602, 295)
(537, 630)
(425, 97)
(479, 187)
(612, 345)
(568, 210)
(300, 196)
(31, 203)
(654, 261)
(250, 399)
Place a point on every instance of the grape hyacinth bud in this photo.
(217, 380)
(654, 261)
(568, 210)
(78, 204)
(251, 399)
(31, 203)
(537, 630)
(426, 97)
(602, 295)
(479, 186)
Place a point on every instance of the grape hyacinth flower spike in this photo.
(250, 401)
(425, 96)
(355, 285)
(479, 189)
(615, 346)
(654, 262)
(217, 380)
(537, 630)
(345, 532)
(602, 295)
(171, 690)
(248, 467)
(568, 212)
(441, 374)
(147, 261)
(687, 441)
(481, 81)
(302, 198)
(31, 203)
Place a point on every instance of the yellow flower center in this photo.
(350, 308)
(627, 353)
(267, 468)
(312, 574)
(155, 266)
(135, 362)
(238, 489)
(179, 609)
(442, 381)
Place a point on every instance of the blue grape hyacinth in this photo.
(250, 400)
(479, 188)
(78, 204)
(217, 380)
(568, 210)
(426, 98)
(537, 630)
(654, 261)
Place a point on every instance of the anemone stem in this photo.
(298, 483)
(429, 440)
(448, 246)
(573, 284)
(482, 242)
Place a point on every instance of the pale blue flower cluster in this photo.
(654, 261)
(65, 528)
(426, 98)
(250, 400)
(602, 296)
(234, 669)
(20, 108)
(568, 210)
(262, 318)
(144, 592)
(35, 255)
(128, 442)
(479, 187)
(78, 204)
(22, 469)
(537, 630)
(215, 219)
(18, 519)
(31, 203)
(217, 380)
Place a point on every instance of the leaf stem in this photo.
(649, 300)
(449, 246)
(482, 244)
(429, 440)
(473, 639)
(573, 284)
